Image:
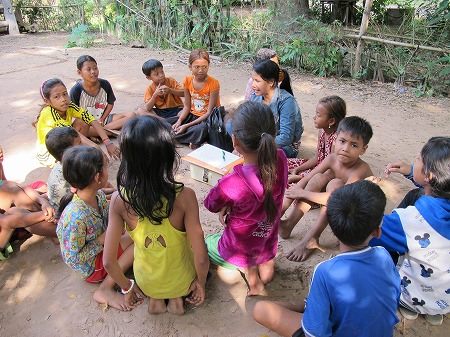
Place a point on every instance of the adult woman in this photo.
(284, 107)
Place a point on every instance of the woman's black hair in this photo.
(45, 90)
(436, 163)
(84, 58)
(145, 179)
(268, 70)
(80, 165)
(254, 128)
(286, 82)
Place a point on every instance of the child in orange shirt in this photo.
(201, 96)
(162, 96)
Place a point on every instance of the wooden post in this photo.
(362, 31)
(8, 11)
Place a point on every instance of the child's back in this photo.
(248, 238)
(252, 196)
(353, 294)
(162, 218)
(163, 262)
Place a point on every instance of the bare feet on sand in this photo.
(111, 298)
(285, 229)
(176, 306)
(302, 251)
(156, 307)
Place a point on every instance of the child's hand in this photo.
(398, 166)
(197, 295)
(49, 212)
(134, 297)
(113, 150)
(295, 171)
(293, 178)
(181, 129)
(294, 192)
(164, 89)
(222, 215)
(159, 91)
(176, 125)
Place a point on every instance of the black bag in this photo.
(217, 135)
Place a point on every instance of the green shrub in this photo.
(80, 37)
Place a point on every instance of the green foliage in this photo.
(441, 14)
(237, 29)
(80, 37)
(315, 49)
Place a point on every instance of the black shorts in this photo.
(299, 333)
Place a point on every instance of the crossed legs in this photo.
(311, 239)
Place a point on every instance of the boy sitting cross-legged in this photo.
(342, 167)
(354, 294)
(163, 95)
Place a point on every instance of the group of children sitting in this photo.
(151, 221)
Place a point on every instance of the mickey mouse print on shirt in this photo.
(425, 272)
(424, 241)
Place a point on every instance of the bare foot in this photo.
(111, 298)
(176, 306)
(156, 307)
(257, 290)
(285, 228)
(302, 251)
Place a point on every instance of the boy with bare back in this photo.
(342, 167)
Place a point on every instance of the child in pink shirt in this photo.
(251, 197)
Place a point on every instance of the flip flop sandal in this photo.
(6, 252)
(434, 319)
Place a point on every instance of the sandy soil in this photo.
(40, 296)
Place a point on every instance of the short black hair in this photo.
(436, 160)
(84, 58)
(357, 126)
(59, 140)
(150, 65)
(354, 211)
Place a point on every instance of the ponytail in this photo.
(285, 83)
(267, 163)
(254, 127)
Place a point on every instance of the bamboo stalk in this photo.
(396, 43)
(362, 31)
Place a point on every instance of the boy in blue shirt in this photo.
(354, 293)
(420, 234)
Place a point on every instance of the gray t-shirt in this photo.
(57, 186)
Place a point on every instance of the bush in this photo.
(80, 37)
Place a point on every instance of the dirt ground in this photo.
(40, 296)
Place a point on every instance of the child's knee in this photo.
(334, 184)
(315, 182)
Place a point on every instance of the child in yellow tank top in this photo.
(162, 218)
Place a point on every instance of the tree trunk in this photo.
(362, 31)
(8, 11)
(303, 7)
